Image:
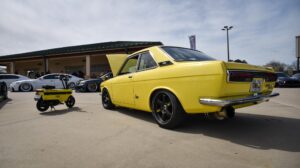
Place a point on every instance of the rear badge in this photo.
(256, 85)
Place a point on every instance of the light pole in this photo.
(227, 28)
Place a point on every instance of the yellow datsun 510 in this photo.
(171, 82)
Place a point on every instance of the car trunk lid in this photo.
(244, 79)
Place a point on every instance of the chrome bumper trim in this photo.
(232, 102)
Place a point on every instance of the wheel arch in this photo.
(106, 88)
(155, 90)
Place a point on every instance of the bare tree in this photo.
(277, 66)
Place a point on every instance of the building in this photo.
(89, 59)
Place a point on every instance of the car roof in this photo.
(14, 74)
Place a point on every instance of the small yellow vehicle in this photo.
(50, 97)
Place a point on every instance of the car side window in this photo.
(129, 66)
(50, 77)
(12, 77)
(146, 61)
(9, 77)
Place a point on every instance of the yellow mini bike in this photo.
(50, 97)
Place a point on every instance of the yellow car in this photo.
(171, 82)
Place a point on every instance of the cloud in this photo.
(263, 30)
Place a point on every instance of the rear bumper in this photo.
(232, 102)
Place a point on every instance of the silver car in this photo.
(10, 78)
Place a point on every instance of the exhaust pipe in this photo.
(226, 112)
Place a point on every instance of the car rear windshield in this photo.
(185, 54)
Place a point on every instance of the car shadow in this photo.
(63, 111)
(251, 130)
(4, 102)
(136, 114)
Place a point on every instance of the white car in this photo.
(10, 78)
(50, 79)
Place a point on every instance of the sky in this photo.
(263, 30)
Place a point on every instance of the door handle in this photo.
(130, 76)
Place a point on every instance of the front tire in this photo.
(106, 101)
(25, 87)
(167, 110)
(70, 102)
(92, 87)
(42, 106)
(5, 92)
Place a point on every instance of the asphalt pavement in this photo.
(265, 135)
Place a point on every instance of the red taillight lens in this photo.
(247, 76)
(270, 77)
(240, 76)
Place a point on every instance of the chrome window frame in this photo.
(138, 63)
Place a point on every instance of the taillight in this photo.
(240, 76)
(270, 77)
(247, 76)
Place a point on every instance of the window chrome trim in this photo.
(118, 74)
(151, 55)
(138, 62)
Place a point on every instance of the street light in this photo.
(227, 28)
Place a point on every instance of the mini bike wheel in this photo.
(70, 102)
(42, 105)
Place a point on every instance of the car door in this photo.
(11, 78)
(58, 83)
(144, 80)
(122, 85)
(8, 79)
(48, 80)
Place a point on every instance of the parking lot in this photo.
(266, 135)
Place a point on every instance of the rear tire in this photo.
(71, 85)
(167, 110)
(25, 87)
(42, 105)
(106, 101)
(70, 102)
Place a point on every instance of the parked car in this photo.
(9, 78)
(92, 85)
(284, 80)
(171, 82)
(3, 91)
(50, 79)
(296, 76)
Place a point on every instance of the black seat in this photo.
(48, 87)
